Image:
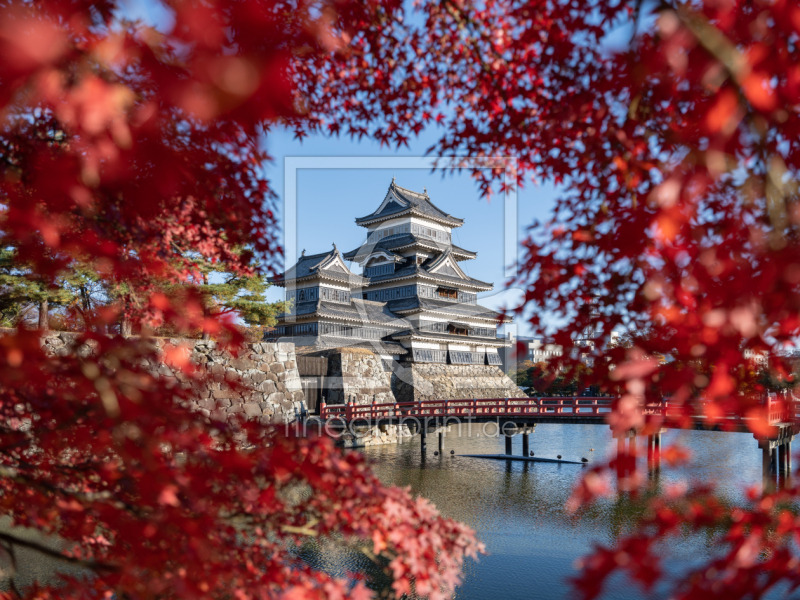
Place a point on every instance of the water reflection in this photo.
(517, 508)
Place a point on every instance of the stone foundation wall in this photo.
(357, 375)
(416, 382)
(268, 372)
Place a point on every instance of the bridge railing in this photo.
(483, 407)
(779, 408)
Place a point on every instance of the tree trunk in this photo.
(126, 327)
(206, 334)
(44, 315)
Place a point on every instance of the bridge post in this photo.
(508, 444)
(789, 456)
(441, 439)
(782, 458)
(774, 460)
(766, 467)
(657, 451)
(525, 445)
(423, 437)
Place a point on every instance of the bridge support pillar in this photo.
(441, 440)
(654, 452)
(508, 445)
(782, 459)
(766, 468)
(788, 457)
(774, 460)
(525, 445)
(423, 437)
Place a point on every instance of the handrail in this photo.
(782, 408)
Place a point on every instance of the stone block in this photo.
(275, 397)
(257, 376)
(223, 394)
(290, 364)
(277, 368)
(251, 409)
(267, 387)
(243, 364)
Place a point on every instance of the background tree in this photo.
(23, 294)
(543, 379)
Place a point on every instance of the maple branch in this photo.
(88, 564)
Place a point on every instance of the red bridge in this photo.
(578, 409)
(774, 422)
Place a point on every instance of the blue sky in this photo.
(329, 200)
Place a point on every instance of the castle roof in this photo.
(418, 334)
(382, 346)
(441, 269)
(403, 241)
(327, 265)
(401, 201)
(408, 306)
(358, 310)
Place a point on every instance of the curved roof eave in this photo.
(451, 221)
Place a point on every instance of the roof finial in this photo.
(392, 179)
(304, 252)
(334, 247)
(425, 191)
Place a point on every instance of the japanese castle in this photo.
(412, 302)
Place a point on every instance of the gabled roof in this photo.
(406, 240)
(400, 201)
(422, 272)
(328, 265)
(445, 264)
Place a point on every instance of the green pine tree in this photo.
(224, 293)
(22, 294)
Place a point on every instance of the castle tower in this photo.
(412, 290)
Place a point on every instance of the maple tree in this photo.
(671, 130)
(117, 141)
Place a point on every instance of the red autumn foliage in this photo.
(674, 142)
(137, 148)
(672, 130)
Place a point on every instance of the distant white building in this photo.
(759, 358)
(540, 351)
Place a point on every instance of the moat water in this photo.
(517, 508)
